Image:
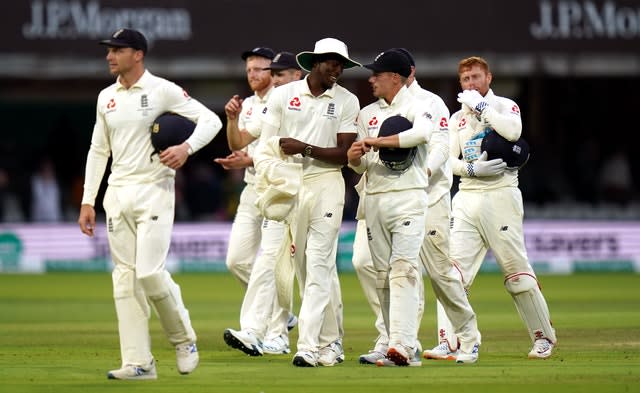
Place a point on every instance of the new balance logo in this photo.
(504, 228)
(328, 214)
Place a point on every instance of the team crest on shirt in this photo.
(144, 105)
(331, 111)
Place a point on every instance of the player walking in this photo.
(139, 201)
(315, 119)
(487, 210)
(263, 321)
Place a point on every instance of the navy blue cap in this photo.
(127, 38)
(391, 61)
(265, 52)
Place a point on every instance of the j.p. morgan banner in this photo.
(553, 247)
(226, 28)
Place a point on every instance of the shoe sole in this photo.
(140, 377)
(233, 342)
(300, 362)
(363, 360)
(397, 357)
(538, 356)
(283, 352)
(438, 357)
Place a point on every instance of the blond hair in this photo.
(469, 62)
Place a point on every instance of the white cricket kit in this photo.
(246, 232)
(488, 211)
(139, 205)
(251, 235)
(292, 111)
(395, 210)
(434, 254)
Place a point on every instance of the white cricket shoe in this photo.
(305, 359)
(131, 371)
(372, 357)
(244, 340)
(292, 321)
(468, 357)
(542, 349)
(414, 361)
(276, 346)
(331, 355)
(441, 352)
(187, 357)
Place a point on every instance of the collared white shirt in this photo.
(501, 115)
(250, 119)
(297, 113)
(441, 178)
(421, 115)
(122, 131)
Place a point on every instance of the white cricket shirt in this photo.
(501, 115)
(249, 119)
(122, 130)
(313, 120)
(421, 114)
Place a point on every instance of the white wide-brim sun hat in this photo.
(324, 46)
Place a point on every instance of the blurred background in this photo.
(572, 66)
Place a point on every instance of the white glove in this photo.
(473, 100)
(481, 167)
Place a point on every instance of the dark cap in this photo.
(127, 38)
(408, 54)
(267, 53)
(284, 61)
(391, 61)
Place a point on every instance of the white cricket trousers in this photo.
(395, 226)
(139, 226)
(245, 236)
(488, 219)
(320, 317)
(445, 280)
(260, 307)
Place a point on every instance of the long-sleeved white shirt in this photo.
(501, 115)
(122, 131)
(422, 114)
(438, 161)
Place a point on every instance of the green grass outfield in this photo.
(58, 334)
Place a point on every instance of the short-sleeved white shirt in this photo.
(313, 120)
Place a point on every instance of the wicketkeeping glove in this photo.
(473, 100)
(481, 167)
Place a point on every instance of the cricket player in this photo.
(315, 119)
(487, 210)
(263, 322)
(434, 253)
(246, 233)
(396, 204)
(139, 201)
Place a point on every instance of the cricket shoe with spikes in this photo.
(244, 340)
